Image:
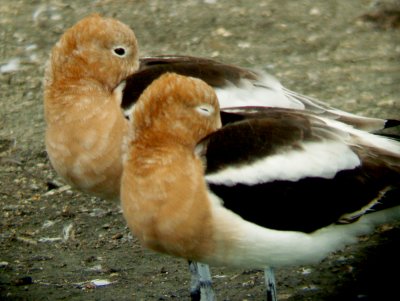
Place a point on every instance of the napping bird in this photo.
(295, 163)
(163, 190)
(169, 206)
(82, 97)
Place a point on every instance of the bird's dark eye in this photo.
(120, 51)
(205, 109)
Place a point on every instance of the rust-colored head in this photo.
(178, 108)
(96, 49)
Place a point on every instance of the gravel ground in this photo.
(54, 241)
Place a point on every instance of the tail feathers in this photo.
(391, 136)
(359, 122)
(336, 237)
(383, 216)
(390, 123)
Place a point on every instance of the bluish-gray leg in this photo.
(194, 282)
(270, 284)
(201, 283)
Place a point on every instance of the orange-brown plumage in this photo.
(85, 125)
(165, 203)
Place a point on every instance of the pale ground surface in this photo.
(320, 48)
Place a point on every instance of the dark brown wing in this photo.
(212, 72)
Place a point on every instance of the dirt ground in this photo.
(59, 244)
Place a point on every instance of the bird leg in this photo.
(201, 283)
(270, 284)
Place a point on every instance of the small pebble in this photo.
(117, 236)
(23, 281)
